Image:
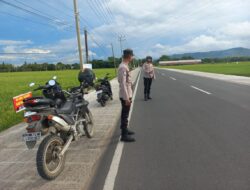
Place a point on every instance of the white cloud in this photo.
(201, 43)
(159, 46)
(13, 42)
(38, 51)
(238, 30)
(152, 27)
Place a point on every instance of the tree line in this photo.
(205, 60)
(109, 63)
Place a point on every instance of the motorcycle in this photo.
(104, 90)
(62, 117)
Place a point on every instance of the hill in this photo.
(234, 52)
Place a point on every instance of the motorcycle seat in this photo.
(38, 102)
(67, 108)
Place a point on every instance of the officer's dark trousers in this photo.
(124, 117)
(147, 85)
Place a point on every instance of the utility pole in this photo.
(114, 58)
(78, 34)
(86, 45)
(121, 38)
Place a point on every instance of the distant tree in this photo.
(51, 67)
(60, 66)
(6, 67)
(164, 58)
(187, 58)
(75, 66)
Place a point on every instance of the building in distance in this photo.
(180, 62)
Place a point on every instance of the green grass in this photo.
(13, 84)
(240, 69)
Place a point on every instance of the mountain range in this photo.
(233, 52)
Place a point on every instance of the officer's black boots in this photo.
(126, 136)
(129, 132)
(147, 97)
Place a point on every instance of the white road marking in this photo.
(206, 92)
(113, 170)
(172, 78)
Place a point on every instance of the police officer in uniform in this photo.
(125, 93)
(148, 75)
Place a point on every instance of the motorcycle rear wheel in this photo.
(49, 164)
(103, 103)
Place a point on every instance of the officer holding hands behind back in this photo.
(125, 93)
(148, 75)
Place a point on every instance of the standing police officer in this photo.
(149, 75)
(126, 93)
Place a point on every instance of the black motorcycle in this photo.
(104, 90)
(62, 117)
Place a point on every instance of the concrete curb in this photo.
(17, 163)
(229, 78)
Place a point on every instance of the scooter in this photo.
(104, 90)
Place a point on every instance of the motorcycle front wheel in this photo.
(88, 124)
(49, 163)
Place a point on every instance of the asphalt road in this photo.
(193, 135)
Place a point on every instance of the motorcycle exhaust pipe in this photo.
(60, 124)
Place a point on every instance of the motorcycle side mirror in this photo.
(52, 82)
(32, 84)
(54, 77)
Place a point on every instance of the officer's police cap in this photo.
(127, 52)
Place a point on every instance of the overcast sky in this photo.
(151, 27)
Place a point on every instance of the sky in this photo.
(44, 30)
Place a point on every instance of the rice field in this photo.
(13, 84)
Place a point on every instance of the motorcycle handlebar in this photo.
(39, 88)
(42, 87)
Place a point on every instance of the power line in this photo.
(23, 18)
(55, 8)
(51, 20)
(98, 15)
(55, 19)
(121, 39)
(100, 11)
(103, 10)
(109, 10)
(177, 20)
(63, 3)
(44, 17)
(22, 53)
(100, 46)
